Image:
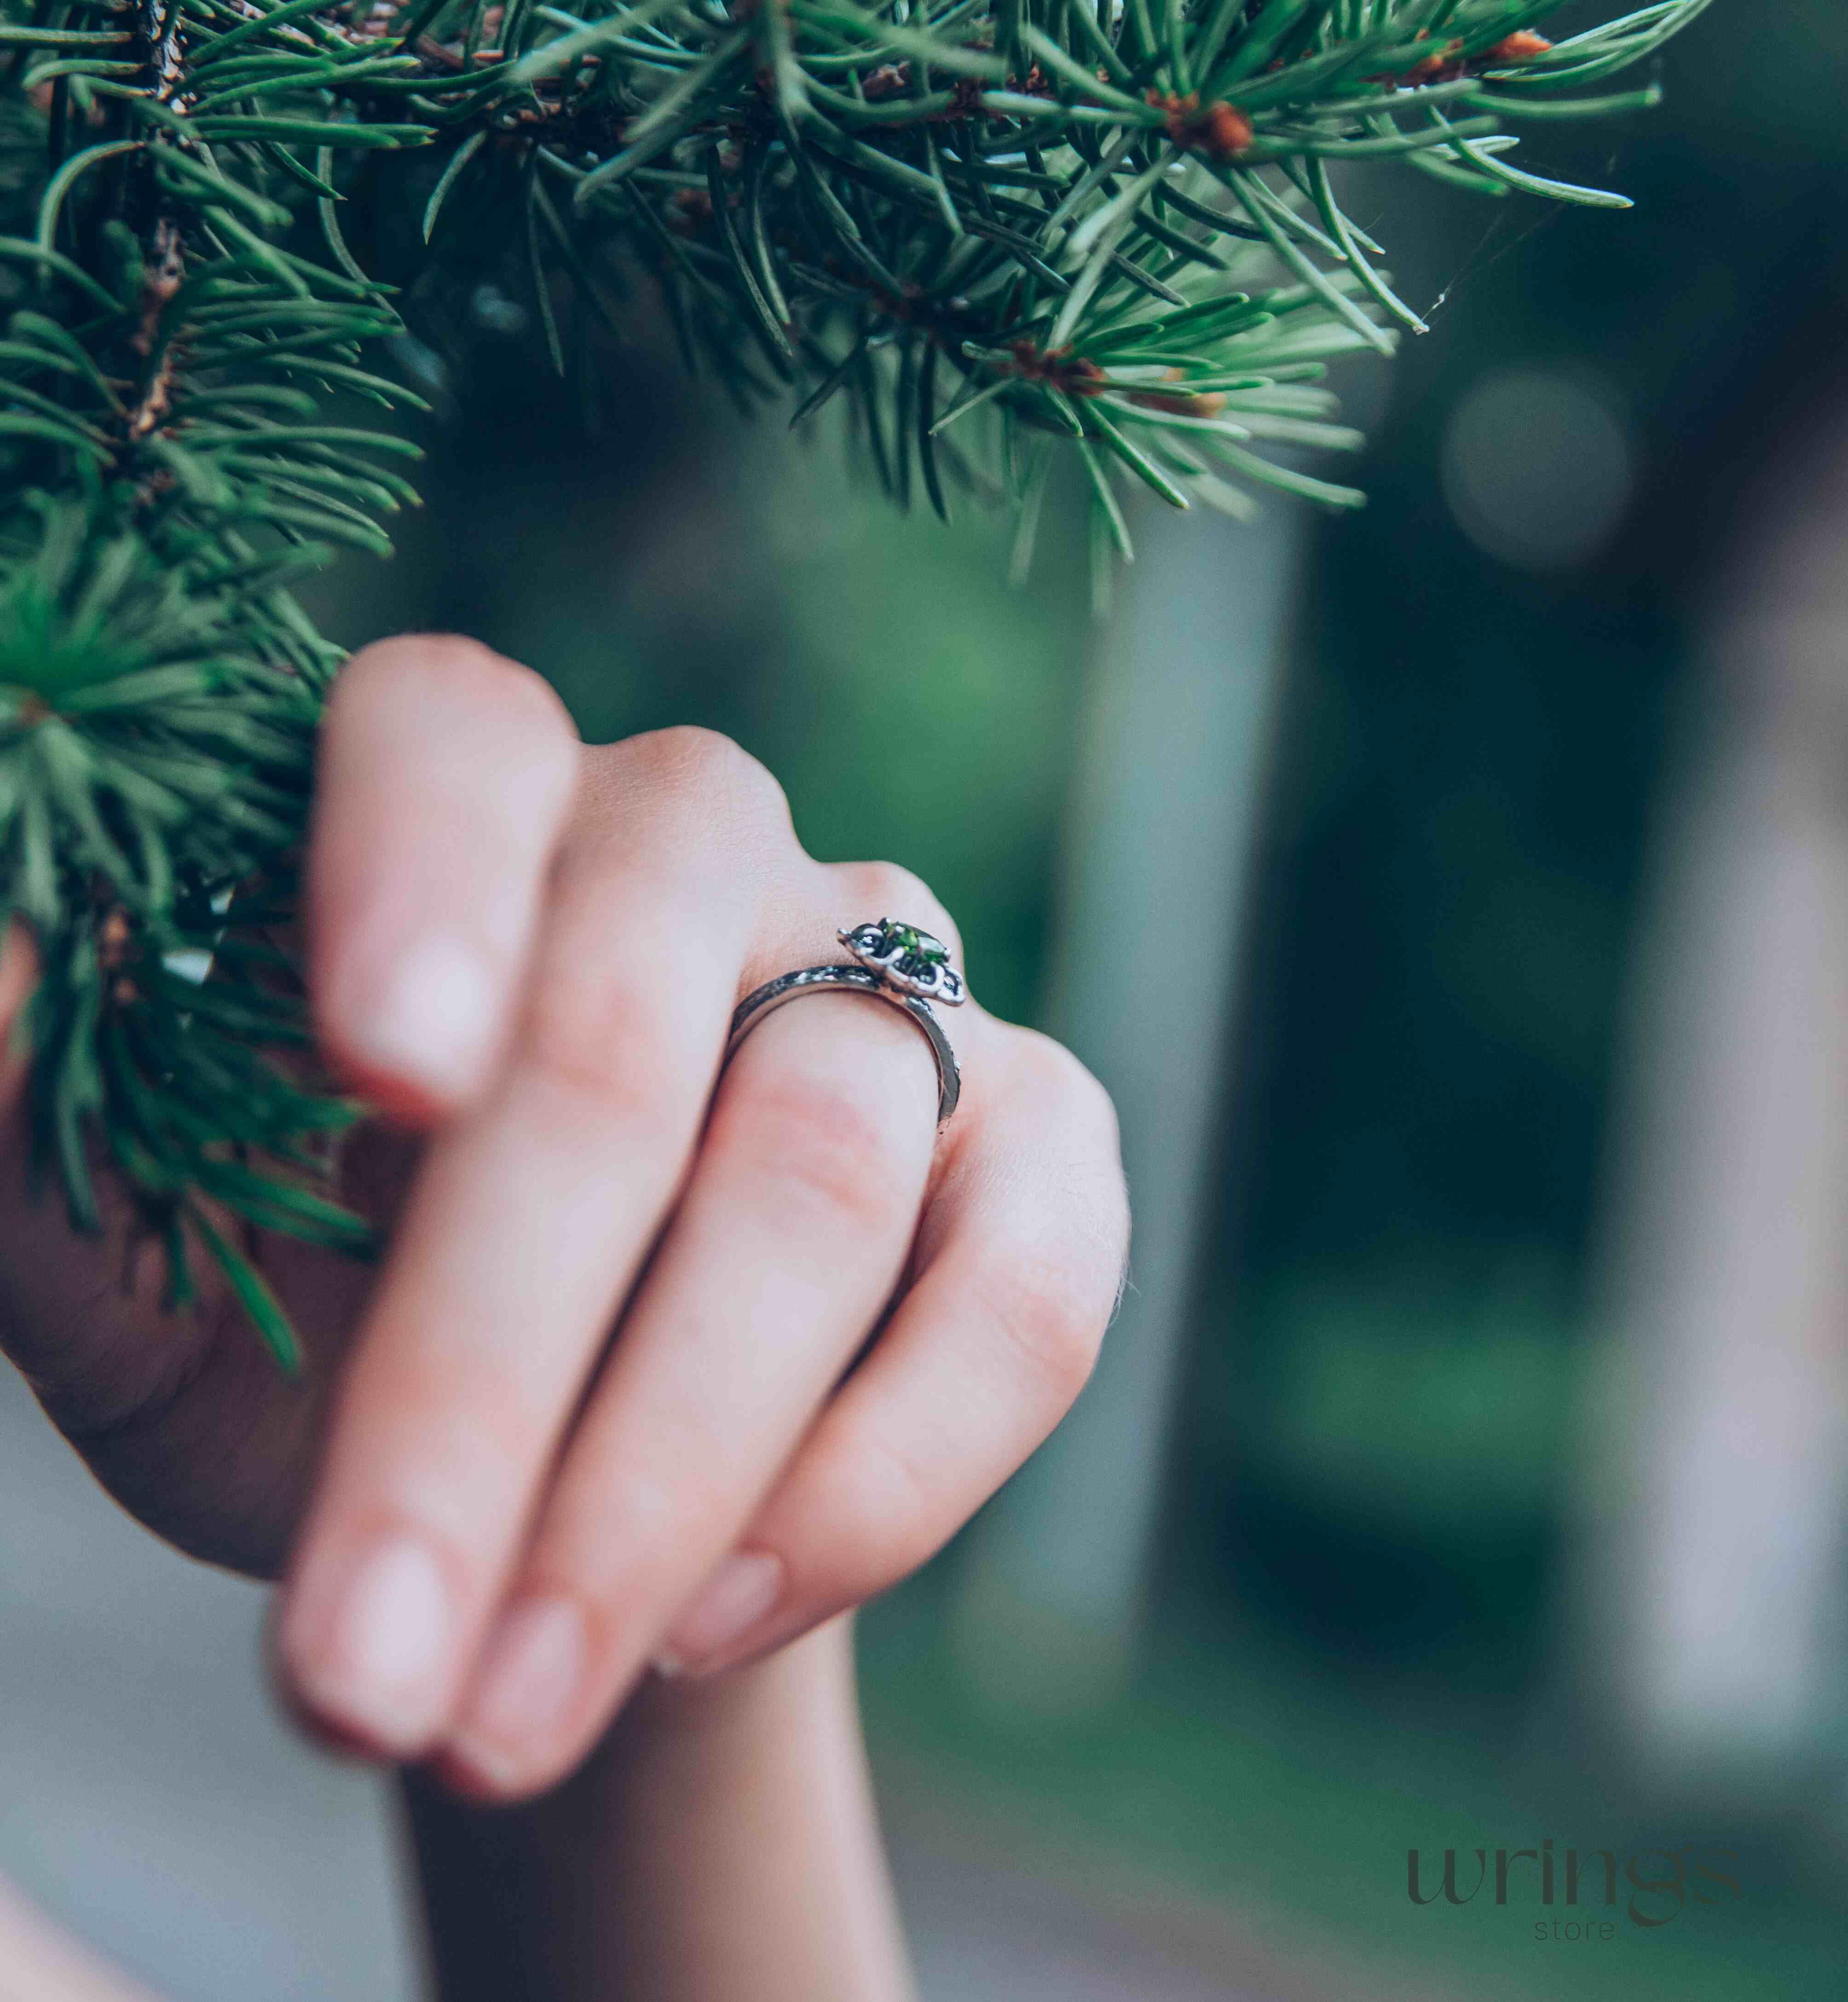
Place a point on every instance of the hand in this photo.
(528, 952)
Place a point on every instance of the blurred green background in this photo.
(1352, 1647)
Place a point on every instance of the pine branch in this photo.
(994, 233)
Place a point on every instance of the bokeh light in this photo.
(1539, 467)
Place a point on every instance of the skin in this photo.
(40, 1964)
(720, 1842)
(609, 1403)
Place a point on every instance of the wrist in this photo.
(684, 1734)
(714, 1815)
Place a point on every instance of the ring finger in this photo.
(788, 1241)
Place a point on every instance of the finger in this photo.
(526, 1228)
(445, 776)
(181, 1416)
(787, 1244)
(18, 975)
(1020, 1261)
(73, 1313)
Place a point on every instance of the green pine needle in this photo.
(991, 234)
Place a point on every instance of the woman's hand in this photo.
(529, 951)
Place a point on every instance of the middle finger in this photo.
(527, 1225)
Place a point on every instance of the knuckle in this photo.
(816, 1143)
(512, 689)
(898, 1502)
(607, 1040)
(491, 735)
(1053, 1318)
(121, 1399)
(1078, 1105)
(459, 665)
(1074, 1119)
(876, 1515)
(717, 772)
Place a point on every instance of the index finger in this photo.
(446, 775)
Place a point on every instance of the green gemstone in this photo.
(920, 945)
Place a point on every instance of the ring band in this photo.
(900, 965)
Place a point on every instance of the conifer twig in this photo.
(989, 230)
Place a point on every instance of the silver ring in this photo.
(898, 963)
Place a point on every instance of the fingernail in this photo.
(734, 1599)
(434, 1022)
(531, 1670)
(380, 1668)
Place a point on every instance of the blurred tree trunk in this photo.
(1713, 1591)
(1161, 827)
